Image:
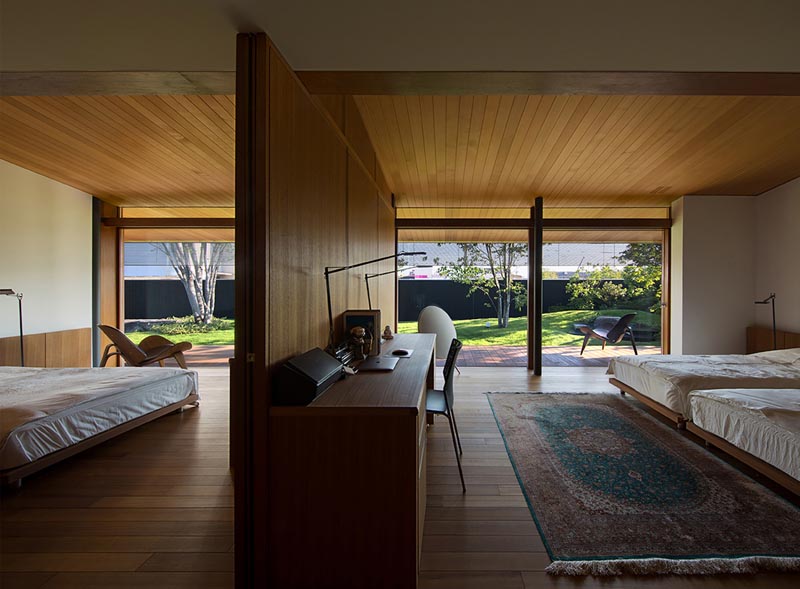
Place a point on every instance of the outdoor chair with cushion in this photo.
(150, 350)
(609, 329)
(441, 403)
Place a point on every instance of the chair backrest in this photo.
(433, 319)
(131, 353)
(615, 333)
(449, 370)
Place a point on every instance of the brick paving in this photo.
(472, 355)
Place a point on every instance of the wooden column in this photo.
(111, 277)
(535, 231)
(250, 387)
(666, 315)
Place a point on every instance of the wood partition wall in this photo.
(309, 194)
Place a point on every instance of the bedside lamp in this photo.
(10, 293)
(771, 299)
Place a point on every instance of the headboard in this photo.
(759, 339)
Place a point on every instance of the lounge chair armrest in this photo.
(154, 341)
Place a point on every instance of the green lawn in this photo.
(555, 328)
(223, 337)
(472, 332)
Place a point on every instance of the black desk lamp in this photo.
(9, 292)
(334, 269)
(366, 281)
(771, 299)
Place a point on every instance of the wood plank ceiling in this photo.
(450, 152)
(580, 151)
(144, 151)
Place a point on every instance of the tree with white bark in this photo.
(197, 266)
(487, 268)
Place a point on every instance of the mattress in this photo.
(43, 410)
(669, 379)
(762, 422)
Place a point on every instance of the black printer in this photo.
(305, 377)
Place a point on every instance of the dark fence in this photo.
(157, 299)
(414, 295)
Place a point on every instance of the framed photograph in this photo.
(369, 320)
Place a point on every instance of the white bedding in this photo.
(762, 422)
(669, 379)
(43, 410)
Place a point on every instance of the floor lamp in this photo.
(771, 299)
(10, 293)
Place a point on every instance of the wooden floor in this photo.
(153, 508)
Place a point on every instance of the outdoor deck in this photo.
(474, 356)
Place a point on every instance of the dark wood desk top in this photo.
(398, 388)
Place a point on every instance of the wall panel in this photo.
(362, 232)
(55, 349)
(386, 284)
(308, 222)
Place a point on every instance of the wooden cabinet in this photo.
(347, 491)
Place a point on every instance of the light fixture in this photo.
(334, 269)
(367, 278)
(10, 293)
(771, 299)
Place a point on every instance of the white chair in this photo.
(433, 319)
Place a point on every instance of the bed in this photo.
(663, 382)
(48, 414)
(760, 427)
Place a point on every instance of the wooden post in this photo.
(250, 387)
(535, 231)
(666, 317)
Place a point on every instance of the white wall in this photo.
(777, 255)
(713, 274)
(45, 252)
(534, 35)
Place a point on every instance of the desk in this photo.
(347, 479)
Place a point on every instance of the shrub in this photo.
(187, 325)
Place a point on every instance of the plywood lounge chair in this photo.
(609, 329)
(150, 350)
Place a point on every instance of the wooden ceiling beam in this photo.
(521, 223)
(169, 222)
(548, 83)
(115, 83)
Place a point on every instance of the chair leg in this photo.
(180, 360)
(455, 426)
(633, 342)
(455, 449)
(106, 355)
(585, 341)
(604, 344)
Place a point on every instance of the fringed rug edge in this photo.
(669, 566)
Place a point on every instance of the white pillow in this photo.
(780, 356)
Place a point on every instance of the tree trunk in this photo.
(197, 266)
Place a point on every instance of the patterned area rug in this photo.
(613, 491)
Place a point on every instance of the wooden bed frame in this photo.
(769, 471)
(13, 476)
(679, 419)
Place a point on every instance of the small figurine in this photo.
(357, 341)
(387, 333)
